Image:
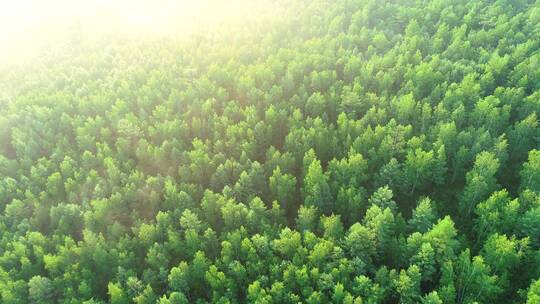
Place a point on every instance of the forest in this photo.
(346, 151)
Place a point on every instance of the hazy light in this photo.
(29, 25)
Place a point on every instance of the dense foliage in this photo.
(343, 151)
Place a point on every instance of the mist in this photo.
(31, 26)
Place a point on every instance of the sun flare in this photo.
(30, 25)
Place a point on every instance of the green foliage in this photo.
(481, 181)
(533, 296)
(423, 216)
(316, 152)
(283, 189)
(40, 290)
(530, 174)
(316, 188)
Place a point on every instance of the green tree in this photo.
(423, 216)
(316, 189)
(307, 218)
(481, 182)
(533, 296)
(179, 278)
(474, 280)
(283, 188)
(41, 290)
(530, 174)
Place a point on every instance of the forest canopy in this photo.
(347, 151)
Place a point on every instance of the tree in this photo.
(179, 278)
(474, 280)
(442, 237)
(256, 294)
(251, 183)
(316, 105)
(41, 290)
(307, 218)
(361, 243)
(174, 298)
(529, 225)
(316, 189)
(383, 226)
(530, 174)
(418, 169)
(533, 296)
(521, 139)
(499, 213)
(67, 219)
(432, 298)
(350, 171)
(332, 227)
(289, 242)
(351, 204)
(408, 285)
(197, 270)
(423, 216)
(426, 261)
(283, 188)
(481, 182)
(504, 254)
(390, 174)
(382, 198)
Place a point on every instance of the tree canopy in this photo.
(364, 151)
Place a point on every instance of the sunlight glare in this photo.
(30, 25)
